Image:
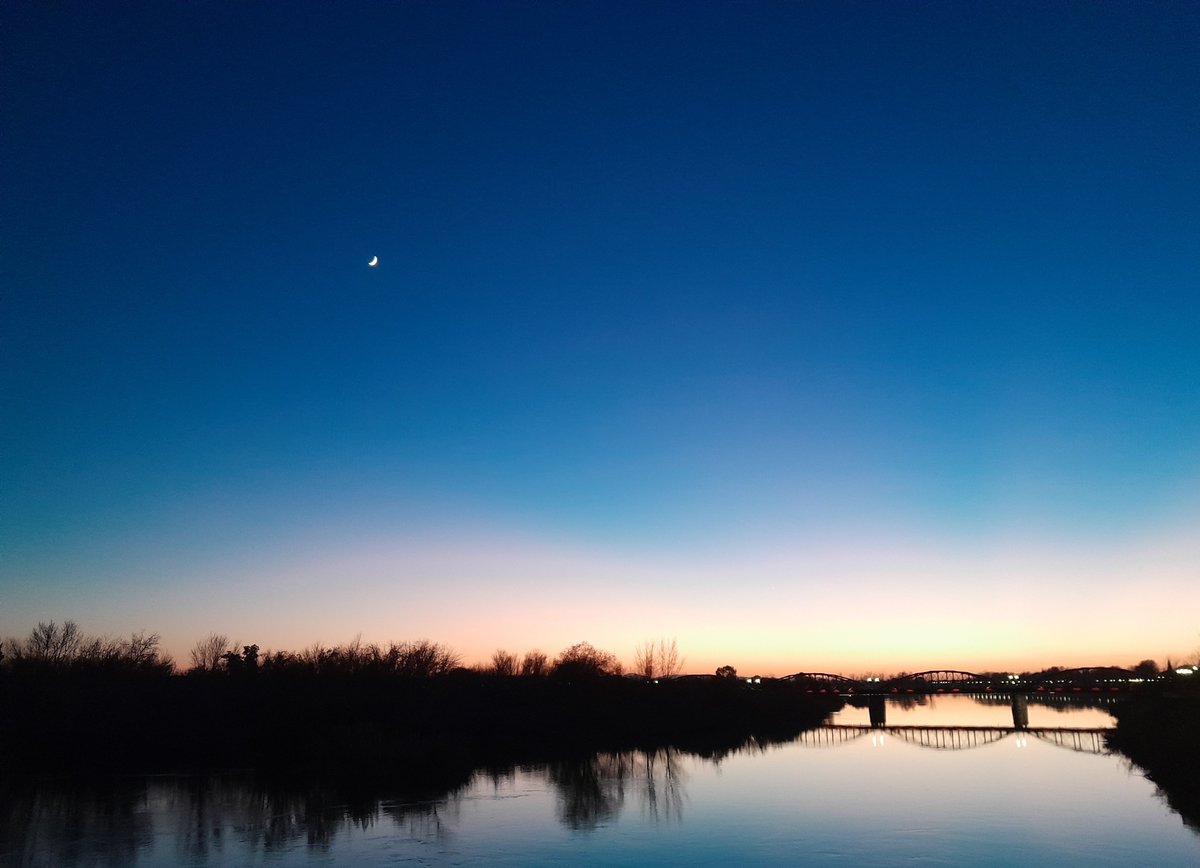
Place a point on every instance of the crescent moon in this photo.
(374, 261)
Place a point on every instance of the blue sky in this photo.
(711, 294)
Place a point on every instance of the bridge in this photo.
(955, 737)
(1085, 680)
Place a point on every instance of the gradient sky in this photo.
(817, 336)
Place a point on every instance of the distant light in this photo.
(1185, 670)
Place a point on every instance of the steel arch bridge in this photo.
(825, 682)
(1084, 679)
(941, 681)
(929, 681)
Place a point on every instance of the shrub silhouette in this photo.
(420, 659)
(582, 660)
(53, 648)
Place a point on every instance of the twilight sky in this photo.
(818, 336)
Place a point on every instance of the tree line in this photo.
(65, 647)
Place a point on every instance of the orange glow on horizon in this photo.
(774, 610)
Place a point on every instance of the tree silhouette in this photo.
(535, 663)
(245, 662)
(643, 660)
(582, 660)
(503, 663)
(659, 660)
(208, 652)
(49, 643)
(1146, 669)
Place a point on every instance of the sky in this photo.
(851, 337)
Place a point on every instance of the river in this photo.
(944, 781)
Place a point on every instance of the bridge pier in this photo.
(1020, 711)
(877, 707)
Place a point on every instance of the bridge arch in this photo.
(826, 682)
(832, 736)
(948, 738)
(940, 680)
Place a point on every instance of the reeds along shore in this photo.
(364, 710)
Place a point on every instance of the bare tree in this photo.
(142, 649)
(661, 660)
(644, 660)
(50, 643)
(669, 664)
(422, 659)
(208, 653)
(535, 663)
(503, 663)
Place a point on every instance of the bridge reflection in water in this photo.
(1018, 702)
(956, 737)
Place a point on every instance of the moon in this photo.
(374, 261)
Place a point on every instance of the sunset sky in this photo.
(816, 336)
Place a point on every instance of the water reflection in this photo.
(593, 790)
(523, 812)
(204, 818)
(209, 818)
(59, 823)
(590, 792)
(271, 815)
(957, 737)
(1034, 711)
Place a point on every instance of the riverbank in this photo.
(362, 726)
(1159, 730)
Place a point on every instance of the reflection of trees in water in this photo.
(662, 785)
(271, 816)
(92, 823)
(1063, 703)
(261, 816)
(1182, 800)
(592, 790)
(220, 817)
(215, 817)
(754, 745)
(587, 795)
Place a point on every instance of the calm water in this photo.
(945, 783)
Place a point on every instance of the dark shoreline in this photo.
(1159, 731)
(364, 727)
